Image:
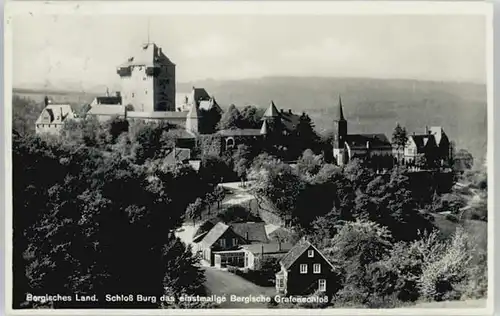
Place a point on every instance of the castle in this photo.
(148, 93)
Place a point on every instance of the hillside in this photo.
(370, 105)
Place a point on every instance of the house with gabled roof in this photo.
(53, 117)
(221, 240)
(305, 270)
(434, 144)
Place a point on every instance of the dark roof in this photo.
(423, 140)
(204, 229)
(374, 141)
(289, 120)
(268, 248)
(256, 231)
(109, 100)
(295, 253)
(240, 132)
(214, 234)
(199, 94)
(340, 113)
(288, 260)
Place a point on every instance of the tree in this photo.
(305, 135)
(251, 117)
(238, 214)
(25, 112)
(231, 119)
(219, 195)
(242, 161)
(151, 141)
(115, 127)
(75, 231)
(355, 250)
(309, 163)
(463, 160)
(194, 210)
(399, 139)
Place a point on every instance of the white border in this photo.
(245, 7)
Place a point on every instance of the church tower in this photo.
(340, 130)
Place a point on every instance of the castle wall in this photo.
(138, 90)
(164, 89)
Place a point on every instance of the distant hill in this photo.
(370, 105)
(60, 96)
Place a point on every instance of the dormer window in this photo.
(310, 253)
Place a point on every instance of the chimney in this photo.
(427, 129)
(46, 100)
(279, 244)
(290, 111)
(60, 109)
(118, 94)
(282, 111)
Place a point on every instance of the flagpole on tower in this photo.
(148, 29)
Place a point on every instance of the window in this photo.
(317, 268)
(281, 283)
(222, 242)
(310, 253)
(322, 285)
(235, 241)
(303, 268)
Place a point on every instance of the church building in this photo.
(373, 147)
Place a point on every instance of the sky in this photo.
(68, 52)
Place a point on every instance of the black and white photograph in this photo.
(223, 156)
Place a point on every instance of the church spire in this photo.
(341, 111)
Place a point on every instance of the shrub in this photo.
(441, 275)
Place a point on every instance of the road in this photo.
(220, 282)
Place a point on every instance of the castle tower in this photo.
(148, 80)
(272, 118)
(340, 130)
(192, 119)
